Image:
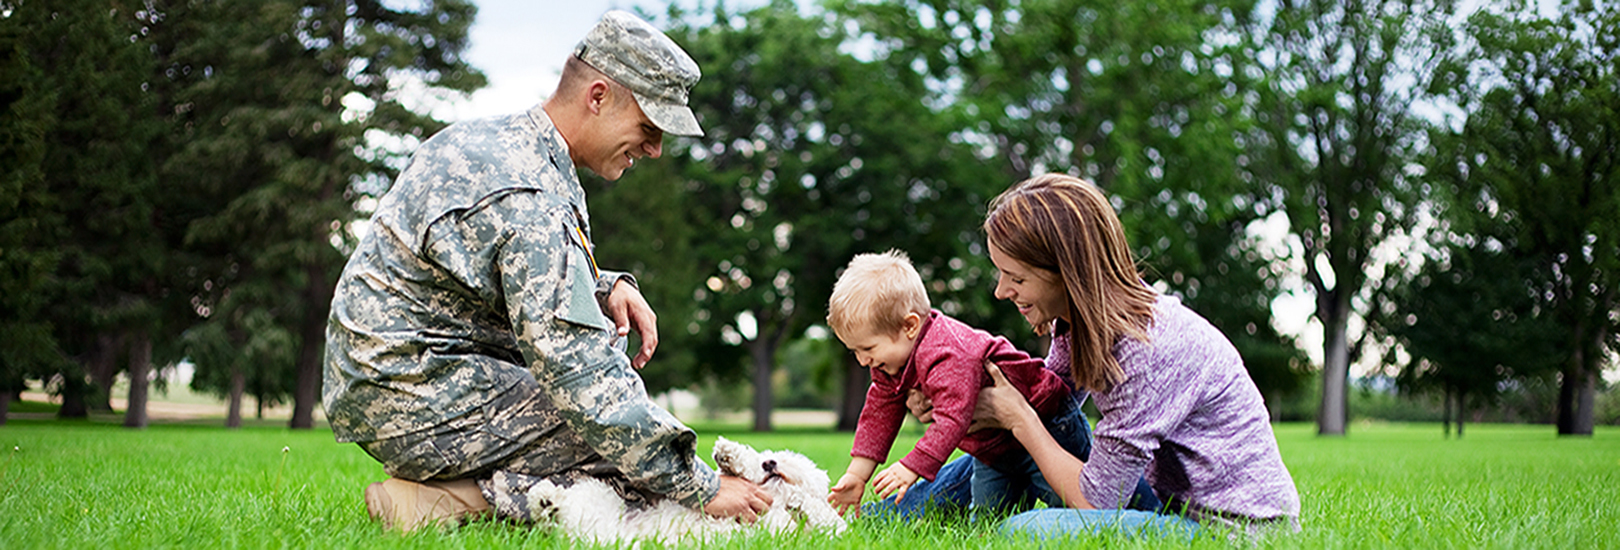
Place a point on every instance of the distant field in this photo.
(95, 485)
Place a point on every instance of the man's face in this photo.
(622, 134)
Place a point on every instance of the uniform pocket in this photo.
(579, 305)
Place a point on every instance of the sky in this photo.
(521, 45)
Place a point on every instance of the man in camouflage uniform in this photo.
(474, 347)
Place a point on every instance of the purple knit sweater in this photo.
(1189, 416)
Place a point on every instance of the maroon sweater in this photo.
(948, 365)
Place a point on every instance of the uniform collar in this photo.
(554, 148)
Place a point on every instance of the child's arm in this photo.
(846, 495)
(894, 479)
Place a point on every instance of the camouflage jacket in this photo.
(477, 273)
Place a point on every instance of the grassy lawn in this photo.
(96, 485)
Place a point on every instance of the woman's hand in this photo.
(920, 406)
(1001, 405)
(984, 412)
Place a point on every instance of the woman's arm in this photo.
(1008, 406)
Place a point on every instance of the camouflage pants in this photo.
(509, 445)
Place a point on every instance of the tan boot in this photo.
(407, 505)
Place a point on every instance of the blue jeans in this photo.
(952, 488)
(1061, 523)
(1015, 481)
(950, 491)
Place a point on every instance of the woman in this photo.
(1177, 404)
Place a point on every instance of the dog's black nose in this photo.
(770, 466)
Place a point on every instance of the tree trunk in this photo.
(1445, 412)
(73, 390)
(102, 364)
(1331, 417)
(140, 365)
(1461, 411)
(1583, 393)
(233, 412)
(5, 406)
(1577, 390)
(761, 352)
(856, 380)
(1566, 401)
(312, 330)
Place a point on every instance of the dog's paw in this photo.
(543, 499)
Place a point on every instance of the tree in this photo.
(28, 347)
(641, 226)
(288, 121)
(96, 198)
(257, 360)
(1539, 148)
(1148, 101)
(1471, 321)
(810, 156)
(1337, 138)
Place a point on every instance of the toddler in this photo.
(879, 309)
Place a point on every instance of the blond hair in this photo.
(577, 76)
(1063, 225)
(875, 292)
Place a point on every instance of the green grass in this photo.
(95, 485)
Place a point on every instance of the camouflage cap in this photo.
(656, 70)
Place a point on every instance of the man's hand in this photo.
(738, 498)
(894, 479)
(846, 495)
(630, 311)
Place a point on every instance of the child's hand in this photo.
(894, 479)
(846, 495)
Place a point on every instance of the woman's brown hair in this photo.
(1064, 225)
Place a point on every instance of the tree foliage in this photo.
(287, 117)
(1337, 137)
(28, 348)
(1539, 152)
(1472, 323)
(810, 157)
(91, 260)
(199, 162)
(181, 178)
(1148, 101)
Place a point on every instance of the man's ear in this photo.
(596, 96)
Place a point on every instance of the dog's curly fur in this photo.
(591, 510)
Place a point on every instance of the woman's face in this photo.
(1038, 293)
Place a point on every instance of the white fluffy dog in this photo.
(590, 510)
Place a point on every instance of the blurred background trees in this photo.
(1537, 158)
(1336, 136)
(181, 181)
(202, 165)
